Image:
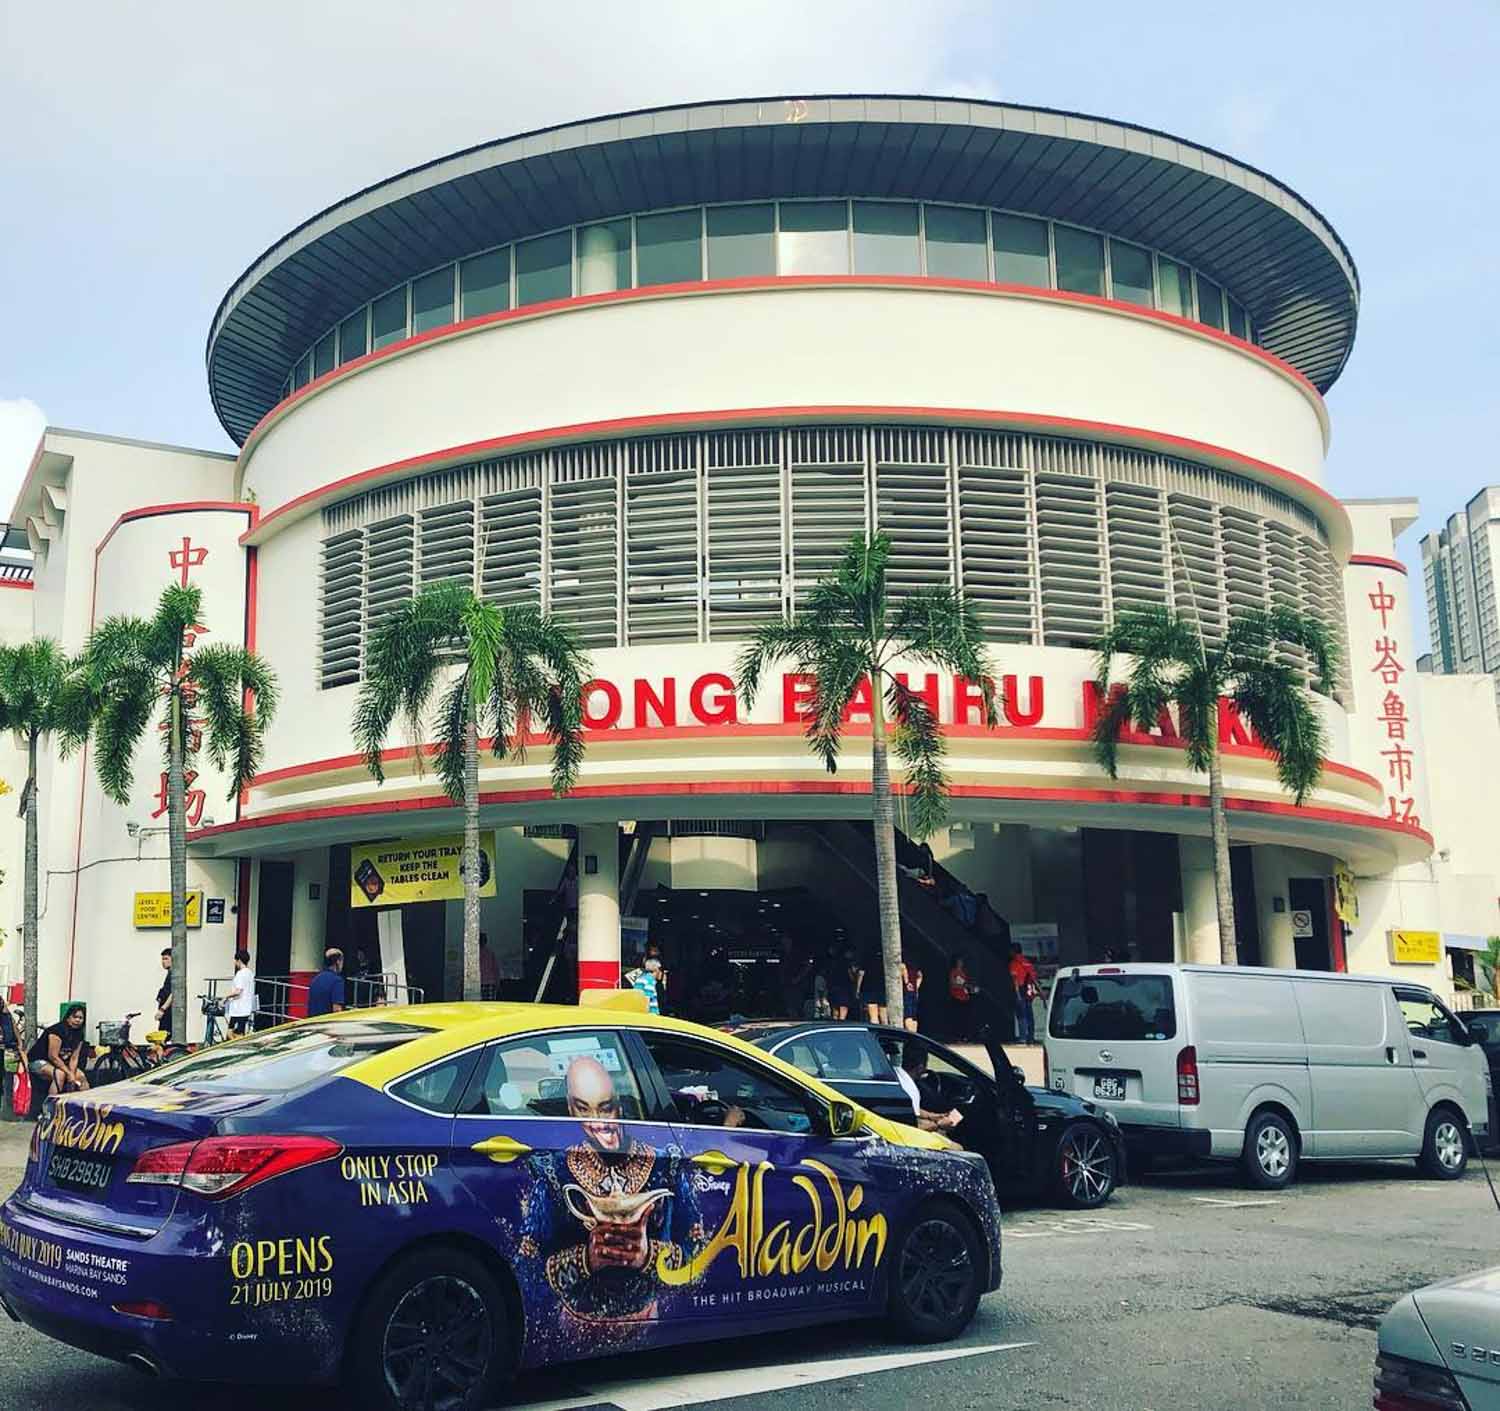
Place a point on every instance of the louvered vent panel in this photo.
(583, 587)
(1136, 526)
(1245, 585)
(995, 533)
(1068, 534)
(828, 508)
(912, 508)
(447, 543)
(1283, 584)
(1197, 582)
(342, 611)
(511, 526)
(745, 540)
(661, 541)
(1323, 598)
(390, 569)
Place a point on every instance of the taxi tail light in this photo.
(1402, 1385)
(1187, 1077)
(219, 1167)
(146, 1308)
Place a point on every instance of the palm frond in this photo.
(125, 712)
(236, 701)
(840, 669)
(453, 721)
(402, 662)
(940, 627)
(1273, 700)
(1253, 636)
(796, 641)
(918, 742)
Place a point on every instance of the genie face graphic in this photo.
(592, 1102)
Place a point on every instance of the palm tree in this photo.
(41, 695)
(514, 665)
(848, 639)
(1172, 665)
(139, 669)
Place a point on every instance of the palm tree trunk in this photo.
(28, 941)
(471, 860)
(1229, 952)
(177, 848)
(885, 854)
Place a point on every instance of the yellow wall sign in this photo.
(153, 910)
(417, 869)
(1416, 947)
(1345, 896)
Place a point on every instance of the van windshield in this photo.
(1114, 1007)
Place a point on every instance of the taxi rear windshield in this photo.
(282, 1059)
(1113, 1007)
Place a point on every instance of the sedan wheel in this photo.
(937, 1275)
(1085, 1166)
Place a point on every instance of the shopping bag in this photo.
(20, 1094)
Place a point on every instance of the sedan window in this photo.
(848, 1054)
(562, 1074)
(712, 1088)
(1427, 1019)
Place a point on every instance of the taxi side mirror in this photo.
(844, 1119)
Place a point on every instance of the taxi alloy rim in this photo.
(438, 1343)
(1449, 1146)
(1273, 1151)
(937, 1270)
(1087, 1166)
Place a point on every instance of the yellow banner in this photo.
(153, 910)
(417, 869)
(1345, 896)
(1416, 947)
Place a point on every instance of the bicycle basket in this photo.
(113, 1031)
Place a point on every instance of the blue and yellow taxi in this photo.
(421, 1201)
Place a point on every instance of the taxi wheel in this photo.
(433, 1333)
(936, 1274)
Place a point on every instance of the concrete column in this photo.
(1277, 947)
(598, 251)
(1200, 908)
(598, 906)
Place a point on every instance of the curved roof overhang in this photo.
(1257, 236)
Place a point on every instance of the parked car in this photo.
(1439, 1348)
(1036, 1143)
(1270, 1067)
(423, 1199)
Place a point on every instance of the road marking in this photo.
(662, 1393)
(1231, 1204)
(1071, 1225)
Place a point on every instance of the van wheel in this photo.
(433, 1333)
(1445, 1147)
(1270, 1156)
(936, 1275)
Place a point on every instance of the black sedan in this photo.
(1037, 1143)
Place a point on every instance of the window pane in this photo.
(544, 268)
(1114, 1007)
(484, 284)
(712, 1088)
(814, 238)
(955, 243)
(388, 318)
(1021, 251)
(740, 242)
(885, 238)
(323, 355)
(432, 300)
(1176, 287)
(1210, 303)
(1239, 324)
(604, 257)
(848, 1054)
(1080, 260)
(302, 371)
(1130, 271)
(669, 248)
(352, 337)
(534, 1077)
(437, 1089)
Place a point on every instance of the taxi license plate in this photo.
(1109, 1085)
(88, 1175)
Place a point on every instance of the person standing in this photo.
(911, 995)
(58, 1053)
(239, 1004)
(326, 993)
(489, 970)
(647, 979)
(1023, 982)
(164, 995)
(961, 991)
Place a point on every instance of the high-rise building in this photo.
(1458, 569)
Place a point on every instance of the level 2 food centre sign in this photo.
(417, 869)
(153, 910)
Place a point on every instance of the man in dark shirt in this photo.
(326, 993)
(164, 995)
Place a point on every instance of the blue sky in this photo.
(153, 151)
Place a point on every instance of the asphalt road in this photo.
(1186, 1292)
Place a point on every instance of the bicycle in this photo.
(213, 1010)
(120, 1059)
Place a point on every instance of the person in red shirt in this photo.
(1023, 982)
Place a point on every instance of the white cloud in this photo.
(21, 423)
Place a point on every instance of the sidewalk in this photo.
(15, 1141)
(1024, 1056)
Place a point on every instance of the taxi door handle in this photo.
(501, 1149)
(715, 1162)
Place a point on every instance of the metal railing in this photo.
(280, 998)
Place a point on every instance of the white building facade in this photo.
(652, 371)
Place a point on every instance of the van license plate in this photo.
(1109, 1085)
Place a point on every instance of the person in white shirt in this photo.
(239, 1005)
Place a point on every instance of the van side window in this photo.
(1426, 1018)
(1114, 1007)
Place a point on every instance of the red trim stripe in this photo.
(598, 975)
(1375, 561)
(242, 906)
(179, 507)
(1165, 441)
(773, 283)
(16, 583)
(841, 788)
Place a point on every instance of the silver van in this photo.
(1270, 1067)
